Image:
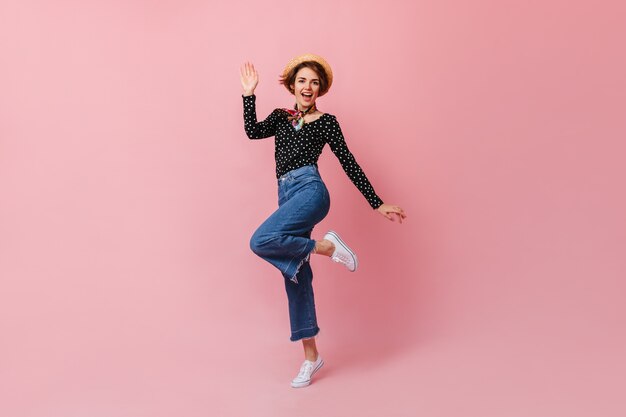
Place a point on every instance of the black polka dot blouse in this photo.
(295, 149)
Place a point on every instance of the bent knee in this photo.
(258, 243)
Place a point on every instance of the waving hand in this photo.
(249, 78)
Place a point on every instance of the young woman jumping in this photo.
(284, 239)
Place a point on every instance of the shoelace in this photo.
(341, 258)
(305, 369)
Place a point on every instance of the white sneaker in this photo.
(343, 254)
(307, 370)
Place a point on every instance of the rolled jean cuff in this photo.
(302, 334)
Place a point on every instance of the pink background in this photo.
(128, 192)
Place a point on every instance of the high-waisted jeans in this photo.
(284, 240)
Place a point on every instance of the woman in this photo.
(284, 239)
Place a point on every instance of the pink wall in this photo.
(128, 192)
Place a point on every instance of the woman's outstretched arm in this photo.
(254, 129)
(339, 147)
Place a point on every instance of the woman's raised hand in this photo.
(249, 78)
(392, 212)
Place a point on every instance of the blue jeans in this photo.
(284, 240)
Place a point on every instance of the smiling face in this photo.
(306, 87)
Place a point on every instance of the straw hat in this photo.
(309, 57)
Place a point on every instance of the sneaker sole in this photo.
(346, 247)
(307, 383)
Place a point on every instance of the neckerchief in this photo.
(296, 117)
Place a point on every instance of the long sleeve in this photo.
(348, 163)
(254, 129)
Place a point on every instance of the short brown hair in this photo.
(319, 70)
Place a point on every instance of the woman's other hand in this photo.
(249, 78)
(392, 212)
